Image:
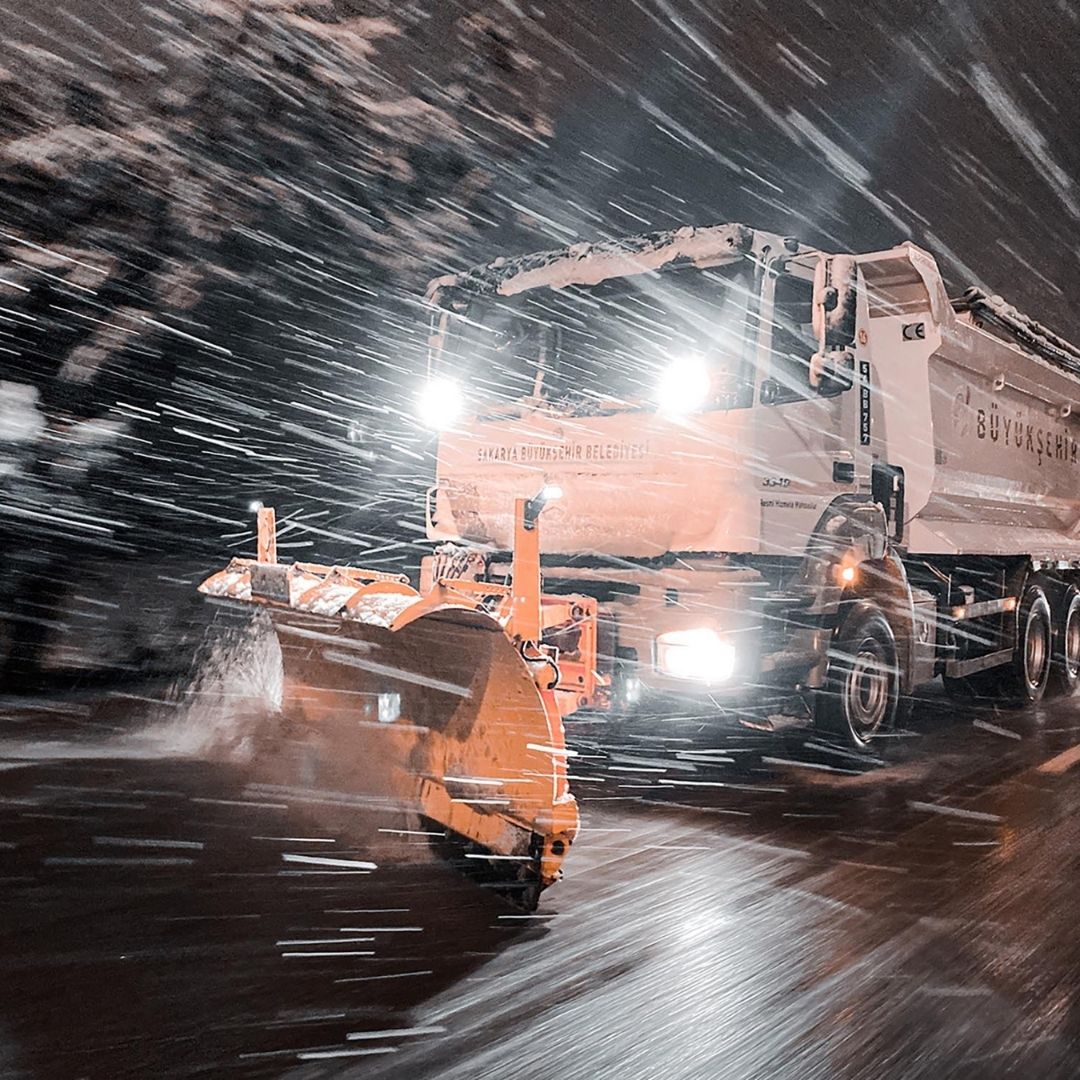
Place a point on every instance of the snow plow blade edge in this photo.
(432, 703)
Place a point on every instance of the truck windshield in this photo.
(606, 346)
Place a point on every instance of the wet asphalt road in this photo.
(738, 905)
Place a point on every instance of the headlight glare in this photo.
(439, 404)
(700, 655)
(684, 385)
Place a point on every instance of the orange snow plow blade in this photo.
(430, 699)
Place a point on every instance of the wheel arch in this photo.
(883, 583)
(855, 528)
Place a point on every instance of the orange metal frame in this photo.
(523, 609)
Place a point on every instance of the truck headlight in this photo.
(701, 655)
(439, 404)
(684, 385)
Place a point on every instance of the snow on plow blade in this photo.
(431, 703)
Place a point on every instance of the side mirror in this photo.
(835, 295)
(832, 373)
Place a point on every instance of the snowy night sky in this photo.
(244, 201)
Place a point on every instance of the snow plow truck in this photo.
(778, 483)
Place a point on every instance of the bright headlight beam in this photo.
(699, 655)
(439, 404)
(684, 385)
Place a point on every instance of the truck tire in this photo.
(1025, 677)
(862, 687)
(1065, 661)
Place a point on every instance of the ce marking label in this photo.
(913, 331)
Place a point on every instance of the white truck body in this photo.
(962, 441)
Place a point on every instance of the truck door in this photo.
(808, 436)
(901, 310)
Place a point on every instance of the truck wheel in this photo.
(1024, 678)
(1065, 661)
(862, 687)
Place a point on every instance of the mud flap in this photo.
(441, 716)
